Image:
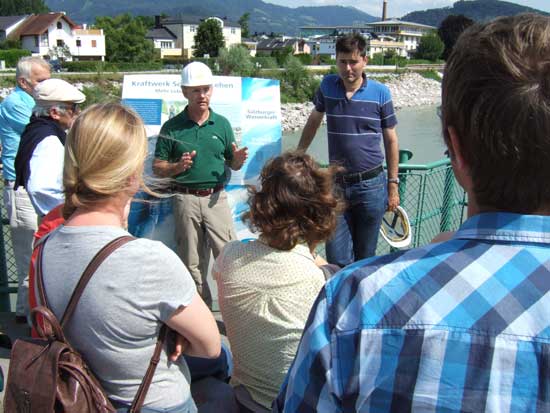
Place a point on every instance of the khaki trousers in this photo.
(202, 222)
(23, 224)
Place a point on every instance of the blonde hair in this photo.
(105, 148)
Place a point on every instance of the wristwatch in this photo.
(393, 181)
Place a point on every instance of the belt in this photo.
(360, 176)
(182, 189)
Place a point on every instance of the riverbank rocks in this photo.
(408, 90)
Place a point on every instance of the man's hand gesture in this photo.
(186, 161)
(239, 157)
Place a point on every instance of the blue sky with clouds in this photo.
(397, 8)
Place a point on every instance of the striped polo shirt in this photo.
(459, 326)
(354, 126)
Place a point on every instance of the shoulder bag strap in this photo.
(148, 378)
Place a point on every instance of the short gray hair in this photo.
(42, 108)
(25, 64)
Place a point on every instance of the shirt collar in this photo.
(501, 226)
(211, 116)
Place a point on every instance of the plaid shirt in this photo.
(459, 326)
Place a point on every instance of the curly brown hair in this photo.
(296, 202)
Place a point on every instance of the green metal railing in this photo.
(429, 193)
(431, 197)
(8, 268)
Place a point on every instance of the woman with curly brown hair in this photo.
(267, 286)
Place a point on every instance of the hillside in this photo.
(264, 17)
(478, 10)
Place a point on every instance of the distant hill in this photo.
(264, 17)
(478, 10)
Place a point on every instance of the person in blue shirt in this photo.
(15, 112)
(462, 325)
(360, 116)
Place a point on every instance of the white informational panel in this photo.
(253, 108)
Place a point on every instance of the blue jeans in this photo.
(356, 234)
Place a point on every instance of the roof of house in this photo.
(397, 21)
(275, 44)
(196, 20)
(160, 33)
(7, 21)
(37, 24)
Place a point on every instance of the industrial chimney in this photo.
(385, 10)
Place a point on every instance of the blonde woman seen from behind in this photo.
(142, 285)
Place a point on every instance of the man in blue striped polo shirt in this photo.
(359, 116)
(462, 325)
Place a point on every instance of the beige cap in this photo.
(57, 90)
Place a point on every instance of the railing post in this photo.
(447, 204)
(404, 156)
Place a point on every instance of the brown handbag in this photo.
(48, 375)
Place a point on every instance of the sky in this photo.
(396, 8)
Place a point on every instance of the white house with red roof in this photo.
(40, 33)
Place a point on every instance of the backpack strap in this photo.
(102, 254)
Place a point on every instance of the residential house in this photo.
(8, 24)
(163, 39)
(268, 46)
(326, 45)
(406, 32)
(41, 33)
(185, 29)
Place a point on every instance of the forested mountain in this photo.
(477, 10)
(264, 17)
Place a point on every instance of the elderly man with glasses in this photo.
(39, 161)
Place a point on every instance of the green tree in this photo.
(236, 61)
(281, 55)
(18, 7)
(243, 22)
(430, 47)
(297, 84)
(125, 39)
(450, 29)
(209, 38)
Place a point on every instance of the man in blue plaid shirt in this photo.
(463, 325)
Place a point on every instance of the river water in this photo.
(418, 129)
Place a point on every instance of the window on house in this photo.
(60, 43)
(44, 40)
(59, 25)
(233, 30)
(78, 43)
(94, 43)
(165, 45)
(35, 41)
(192, 29)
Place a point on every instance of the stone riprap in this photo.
(408, 90)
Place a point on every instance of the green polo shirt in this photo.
(212, 141)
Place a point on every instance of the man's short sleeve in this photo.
(319, 100)
(17, 115)
(387, 113)
(163, 148)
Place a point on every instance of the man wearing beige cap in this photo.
(39, 160)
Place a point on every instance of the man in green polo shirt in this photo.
(193, 149)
